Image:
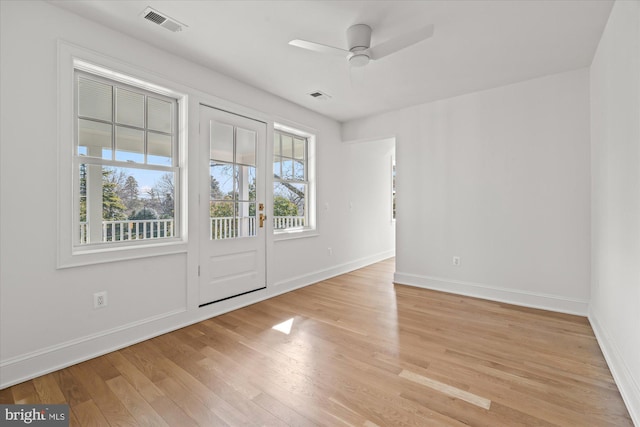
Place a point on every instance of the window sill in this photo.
(98, 255)
(279, 236)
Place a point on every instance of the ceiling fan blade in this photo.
(400, 42)
(317, 47)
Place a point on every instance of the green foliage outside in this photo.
(122, 200)
(284, 207)
(144, 213)
(222, 209)
(113, 209)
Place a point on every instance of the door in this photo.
(232, 211)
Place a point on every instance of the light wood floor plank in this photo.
(26, 393)
(447, 389)
(162, 405)
(361, 351)
(87, 414)
(6, 396)
(144, 413)
(48, 389)
(107, 402)
(74, 393)
(189, 403)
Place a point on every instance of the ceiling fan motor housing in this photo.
(359, 37)
(359, 40)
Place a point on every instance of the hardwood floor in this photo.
(360, 352)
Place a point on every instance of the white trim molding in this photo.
(628, 387)
(495, 293)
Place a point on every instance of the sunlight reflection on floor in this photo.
(284, 327)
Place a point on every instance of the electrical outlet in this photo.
(100, 299)
(330, 251)
(456, 260)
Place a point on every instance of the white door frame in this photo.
(234, 266)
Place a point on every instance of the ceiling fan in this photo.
(360, 51)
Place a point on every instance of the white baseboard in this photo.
(320, 275)
(495, 293)
(43, 361)
(628, 386)
(49, 359)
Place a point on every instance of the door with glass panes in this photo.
(232, 195)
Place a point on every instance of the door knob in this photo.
(262, 218)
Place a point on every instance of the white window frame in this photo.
(71, 254)
(310, 229)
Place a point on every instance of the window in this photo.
(232, 167)
(125, 163)
(122, 160)
(292, 181)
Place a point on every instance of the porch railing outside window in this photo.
(119, 231)
(221, 228)
(284, 222)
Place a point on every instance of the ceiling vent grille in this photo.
(163, 20)
(155, 17)
(316, 94)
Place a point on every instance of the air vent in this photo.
(163, 20)
(319, 95)
(154, 17)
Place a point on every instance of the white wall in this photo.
(47, 319)
(614, 311)
(499, 178)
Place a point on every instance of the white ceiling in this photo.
(477, 44)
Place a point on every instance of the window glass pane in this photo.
(277, 163)
(276, 144)
(288, 205)
(287, 169)
(135, 204)
(298, 170)
(94, 139)
(113, 204)
(246, 146)
(129, 144)
(94, 99)
(159, 115)
(246, 219)
(223, 224)
(287, 145)
(246, 182)
(158, 149)
(223, 183)
(83, 235)
(129, 108)
(298, 148)
(215, 192)
(145, 194)
(252, 184)
(291, 175)
(221, 142)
